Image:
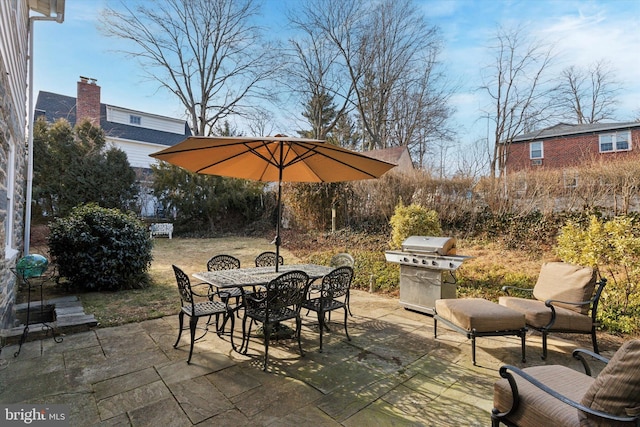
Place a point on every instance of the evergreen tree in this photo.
(73, 166)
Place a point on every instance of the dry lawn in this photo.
(161, 299)
(190, 254)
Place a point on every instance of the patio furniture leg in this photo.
(244, 346)
(345, 324)
(473, 349)
(267, 336)
(320, 327)
(180, 322)
(544, 345)
(523, 337)
(299, 328)
(193, 322)
(232, 317)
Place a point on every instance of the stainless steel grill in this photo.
(427, 266)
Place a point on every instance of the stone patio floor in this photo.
(392, 373)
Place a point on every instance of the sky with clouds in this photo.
(582, 31)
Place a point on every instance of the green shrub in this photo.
(613, 247)
(101, 249)
(370, 268)
(413, 220)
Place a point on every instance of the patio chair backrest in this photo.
(337, 283)
(616, 390)
(268, 259)
(223, 262)
(287, 290)
(566, 282)
(184, 285)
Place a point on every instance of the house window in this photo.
(616, 141)
(134, 120)
(535, 150)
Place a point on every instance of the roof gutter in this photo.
(56, 13)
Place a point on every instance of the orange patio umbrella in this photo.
(273, 159)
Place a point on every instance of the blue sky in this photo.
(582, 31)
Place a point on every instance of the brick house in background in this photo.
(136, 133)
(566, 145)
(16, 29)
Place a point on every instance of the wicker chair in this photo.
(268, 259)
(281, 300)
(555, 395)
(334, 294)
(563, 301)
(196, 305)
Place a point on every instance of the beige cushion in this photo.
(617, 389)
(479, 314)
(538, 408)
(565, 282)
(538, 315)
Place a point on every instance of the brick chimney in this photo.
(88, 101)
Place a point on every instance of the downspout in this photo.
(59, 18)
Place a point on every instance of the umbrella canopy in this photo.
(272, 159)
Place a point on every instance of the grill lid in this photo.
(429, 244)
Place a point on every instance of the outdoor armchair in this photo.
(198, 301)
(563, 301)
(280, 300)
(556, 395)
(334, 295)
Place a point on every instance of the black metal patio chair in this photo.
(334, 294)
(281, 300)
(196, 305)
(268, 259)
(225, 262)
(341, 260)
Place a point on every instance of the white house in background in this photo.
(136, 133)
(17, 22)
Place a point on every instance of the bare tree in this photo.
(519, 90)
(421, 110)
(314, 75)
(384, 49)
(588, 96)
(205, 52)
(473, 161)
(261, 123)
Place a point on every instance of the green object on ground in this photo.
(33, 265)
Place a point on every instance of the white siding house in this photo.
(137, 133)
(16, 26)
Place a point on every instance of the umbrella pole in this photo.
(278, 224)
(279, 210)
